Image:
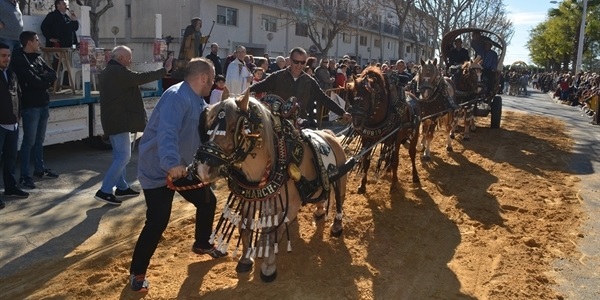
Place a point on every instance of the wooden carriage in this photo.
(488, 103)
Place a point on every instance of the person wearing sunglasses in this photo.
(294, 82)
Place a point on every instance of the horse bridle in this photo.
(426, 86)
(246, 138)
(375, 100)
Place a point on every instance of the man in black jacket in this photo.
(214, 57)
(35, 77)
(121, 112)
(293, 81)
(9, 125)
(60, 25)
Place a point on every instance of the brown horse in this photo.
(272, 169)
(468, 86)
(436, 100)
(377, 110)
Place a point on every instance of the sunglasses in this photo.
(302, 62)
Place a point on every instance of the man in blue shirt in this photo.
(489, 64)
(168, 145)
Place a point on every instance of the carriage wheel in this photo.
(496, 111)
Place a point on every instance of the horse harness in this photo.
(288, 151)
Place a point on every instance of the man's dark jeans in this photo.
(8, 156)
(159, 202)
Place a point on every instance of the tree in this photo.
(449, 15)
(322, 21)
(95, 13)
(569, 16)
(402, 9)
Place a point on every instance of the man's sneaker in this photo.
(126, 193)
(213, 252)
(46, 172)
(27, 182)
(2, 204)
(139, 283)
(108, 198)
(16, 192)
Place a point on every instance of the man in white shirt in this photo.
(238, 76)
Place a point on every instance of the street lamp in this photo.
(581, 36)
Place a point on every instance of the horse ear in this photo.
(422, 62)
(225, 94)
(242, 103)
(435, 61)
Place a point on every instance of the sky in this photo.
(525, 15)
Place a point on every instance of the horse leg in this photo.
(421, 145)
(337, 226)
(467, 123)
(428, 138)
(268, 268)
(245, 262)
(449, 122)
(365, 168)
(319, 213)
(394, 165)
(412, 151)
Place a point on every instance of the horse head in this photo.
(233, 129)
(366, 94)
(429, 78)
(472, 72)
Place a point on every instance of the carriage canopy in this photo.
(498, 43)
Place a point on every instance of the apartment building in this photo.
(262, 26)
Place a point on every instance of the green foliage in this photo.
(555, 40)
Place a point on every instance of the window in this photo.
(346, 38)
(324, 33)
(128, 11)
(389, 45)
(363, 40)
(227, 15)
(301, 29)
(377, 43)
(407, 49)
(269, 23)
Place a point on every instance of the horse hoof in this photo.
(336, 234)
(243, 268)
(318, 217)
(449, 149)
(268, 278)
(362, 190)
(452, 136)
(466, 138)
(426, 158)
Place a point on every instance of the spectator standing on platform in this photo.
(35, 77)
(214, 57)
(192, 40)
(122, 112)
(238, 76)
(167, 147)
(9, 125)
(11, 23)
(60, 25)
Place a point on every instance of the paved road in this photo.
(61, 214)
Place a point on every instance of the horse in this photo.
(377, 109)
(468, 86)
(436, 100)
(272, 168)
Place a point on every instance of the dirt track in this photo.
(487, 223)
